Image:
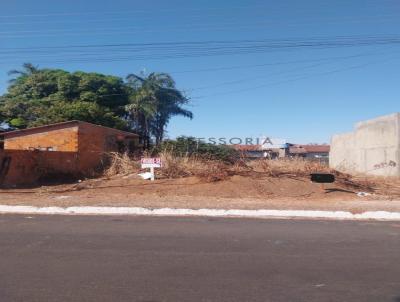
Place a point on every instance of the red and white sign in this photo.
(153, 162)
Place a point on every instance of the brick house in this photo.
(72, 147)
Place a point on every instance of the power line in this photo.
(358, 66)
(131, 58)
(330, 59)
(272, 42)
(325, 20)
(297, 78)
(292, 80)
(130, 11)
(184, 27)
(264, 64)
(281, 72)
(154, 10)
(188, 49)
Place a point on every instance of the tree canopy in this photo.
(42, 96)
(144, 104)
(189, 146)
(154, 101)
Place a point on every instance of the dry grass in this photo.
(214, 170)
(121, 164)
(294, 167)
(206, 169)
(173, 167)
(211, 170)
(386, 186)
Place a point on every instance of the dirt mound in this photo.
(238, 192)
(198, 182)
(237, 186)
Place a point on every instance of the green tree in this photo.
(28, 69)
(187, 146)
(142, 108)
(42, 96)
(146, 104)
(154, 101)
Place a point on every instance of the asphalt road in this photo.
(100, 258)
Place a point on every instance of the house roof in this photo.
(61, 125)
(247, 147)
(297, 150)
(302, 149)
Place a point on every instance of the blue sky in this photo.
(303, 95)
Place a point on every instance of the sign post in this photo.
(152, 173)
(153, 162)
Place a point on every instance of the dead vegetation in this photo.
(173, 167)
(121, 164)
(211, 170)
(379, 185)
(298, 167)
(201, 182)
(182, 166)
(289, 166)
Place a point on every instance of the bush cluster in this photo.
(190, 146)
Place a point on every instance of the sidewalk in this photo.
(95, 198)
(186, 195)
(342, 215)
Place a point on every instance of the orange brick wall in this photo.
(21, 169)
(65, 140)
(91, 147)
(77, 150)
(27, 167)
(94, 145)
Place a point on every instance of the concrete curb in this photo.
(341, 215)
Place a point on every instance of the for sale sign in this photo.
(151, 162)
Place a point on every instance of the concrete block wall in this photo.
(372, 148)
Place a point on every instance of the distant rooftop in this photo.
(247, 147)
(302, 149)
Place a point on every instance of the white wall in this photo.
(372, 148)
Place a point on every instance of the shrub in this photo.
(121, 164)
(182, 166)
(284, 166)
(190, 146)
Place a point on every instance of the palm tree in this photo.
(171, 104)
(154, 102)
(142, 108)
(28, 69)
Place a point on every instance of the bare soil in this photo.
(235, 192)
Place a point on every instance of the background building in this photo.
(312, 152)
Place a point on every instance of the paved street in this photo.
(113, 258)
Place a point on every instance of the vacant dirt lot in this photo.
(239, 192)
